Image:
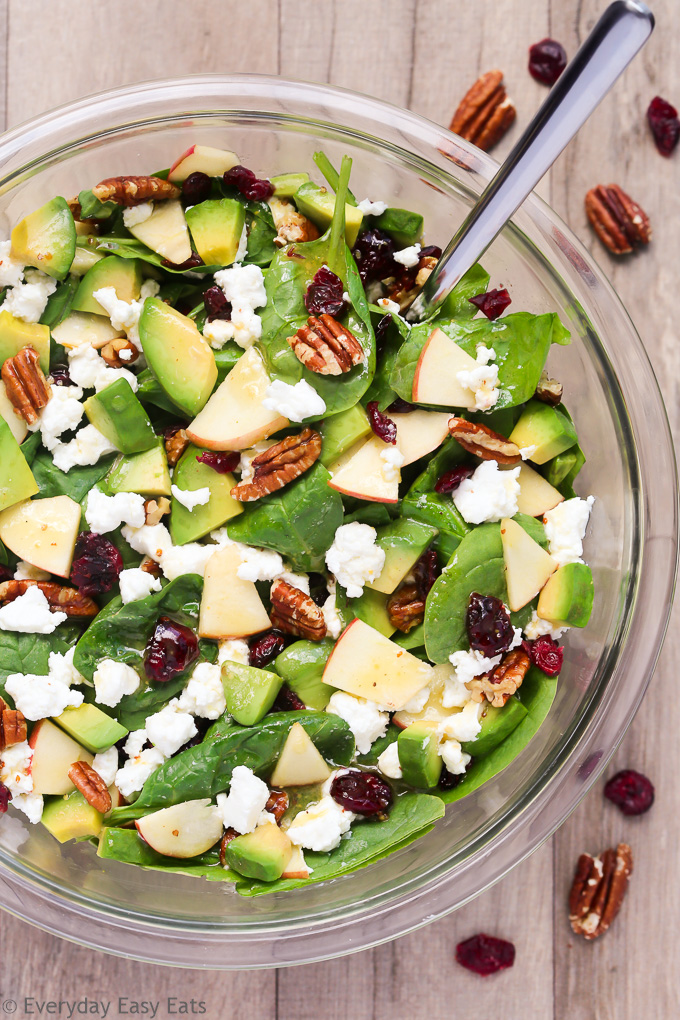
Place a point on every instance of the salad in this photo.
(281, 574)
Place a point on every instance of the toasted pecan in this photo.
(619, 222)
(91, 785)
(25, 383)
(279, 464)
(549, 390)
(176, 442)
(483, 442)
(598, 890)
(485, 112)
(277, 804)
(119, 353)
(13, 728)
(155, 510)
(134, 190)
(65, 600)
(325, 346)
(295, 612)
(291, 226)
(406, 608)
(502, 681)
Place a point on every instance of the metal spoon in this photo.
(621, 31)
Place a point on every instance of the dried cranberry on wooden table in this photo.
(663, 120)
(547, 60)
(485, 954)
(96, 564)
(170, 650)
(632, 792)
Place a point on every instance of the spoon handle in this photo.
(621, 31)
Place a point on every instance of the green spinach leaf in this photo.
(129, 248)
(29, 653)
(59, 303)
(75, 483)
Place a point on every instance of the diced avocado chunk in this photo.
(190, 474)
(286, 185)
(318, 204)
(497, 724)
(250, 692)
(46, 239)
(262, 854)
(341, 431)
(216, 226)
(71, 817)
(16, 478)
(119, 416)
(91, 727)
(562, 470)
(404, 226)
(371, 607)
(15, 334)
(178, 356)
(419, 757)
(301, 666)
(566, 599)
(124, 275)
(404, 542)
(146, 473)
(545, 428)
(84, 258)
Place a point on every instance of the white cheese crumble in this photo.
(137, 769)
(112, 681)
(489, 494)
(27, 300)
(135, 215)
(243, 287)
(15, 773)
(170, 728)
(27, 572)
(367, 720)
(527, 452)
(369, 208)
(393, 459)
(60, 667)
(30, 613)
(483, 380)
(454, 757)
(321, 826)
(88, 447)
(105, 763)
(245, 464)
(11, 271)
(470, 664)
(536, 627)
(463, 725)
(106, 513)
(418, 701)
(204, 694)
(354, 558)
(233, 650)
(388, 762)
(331, 617)
(294, 402)
(565, 528)
(154, 540)
(299, 581)
(136, 584)
(258, 564)
(124, 315)
(62, 413)
(41, 696)
(89, 371)
(190, 498)
(242, 807)
(408, 257)
(389, 306)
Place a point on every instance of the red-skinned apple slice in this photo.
(361, 472)
(435, 380)
(420, 432)
(166, 232)
(183, 830)
(296, 867)
(43, 532)
(53, 754)
(203, 158)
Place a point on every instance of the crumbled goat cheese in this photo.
(463, 725)
(388, 762)
(536, 627)
(106, 764)
(393, 459)
(89, 371)
(299, 581)
(321, 826)
(137, 769)
(30, 613)
(28, 300)
(32, 805)
(331, 617)
(470, 664)
(135, 215)
(62, 413)
(243, 287)
(233, 650)
(88, 447)
(136, 740)
(294, 402)
(389, 306)
(454, 758)
(11, 271)
(418, 701)
(489, 494)
(354, 558)
(27, 572)
(191, 498)
(113, 680)
(204, 694)
(258, 564)
(106, 513)
(124, 315)
(527, 452)
(366, 719)
(483, 380)
(408, 257)
(60, 667)
(15, 768)
(242, 249)
(245, 465)
(369, 208)
(125, 354)
(41, 696)
(154, 540)
(136, 584)
(242, 806)
(565, 528)
(170, 728)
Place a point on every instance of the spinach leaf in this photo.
(457, 304)
(422, 503)
(127, 846)
(261, 234)
(75, 483)
(205, 770)
(129, 248)
(299, 521)
(92, 209)
(150, 391)
(412, 815)
(29, 653)
(381, 387)
(59, 303)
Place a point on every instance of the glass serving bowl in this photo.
(275, 126)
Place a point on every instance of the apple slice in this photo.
(183, 830)
(367, 664)
(234, 418)
(299, 764)
(202, 158)
(361, 472)
(296, 867)
(420, 432)
(536, 495)
(435, 380)
(527, 565)
(53, 754)
(85, 328)
(166, 232)
(43, 532)
(17, 425)
(230, 606)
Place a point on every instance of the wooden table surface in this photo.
(421, 54)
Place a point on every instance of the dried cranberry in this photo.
(170, 650)
(171, 430)
(265, 648)
(431, 251)
(5, 573)
(192, 262)
(196, 188)
(450, 480)
(632, 792)
(61, 376)
(383, 426)
(485, 954)
(426, 572)
(324, 294)
(545, 653)
(449, 781)
(288, 701)
(400, 406)
(488, 624)
(381, 331)
(96, 564)
(547, 60)
(253, 188)
(216, 304)
(373, 252)
(318, 589)
(663, 120)
(493, 303)
(222, 461)
(361, 792)
(5, 798)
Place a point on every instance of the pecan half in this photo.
(278, 465)
(229, 834)
(292, 227)
(483, 442)
(325, 346)
(277, 804)
(294, 612)
(598, 889)
(91, 785)
(404, 287)
(134, 190)
(65, 600)
(150, 566)
(485, 112)
(618, 221)
(549, 390)
(503, 680)
(12, 726)
(26, 385)
(155, 510)
(119, 353)
(406, 608)
(176, 443)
